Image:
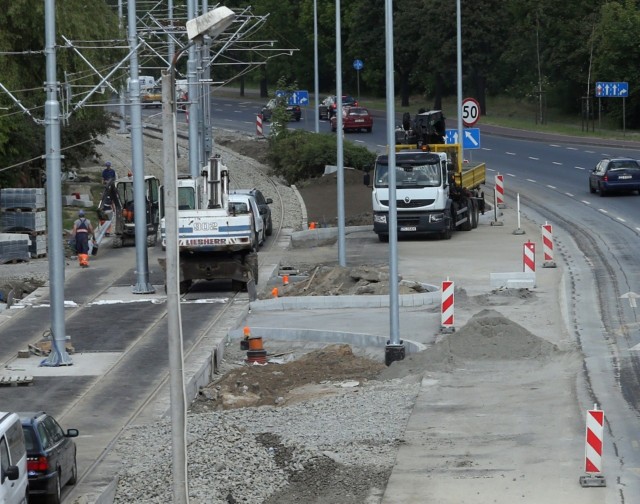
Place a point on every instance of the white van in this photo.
(14, 481)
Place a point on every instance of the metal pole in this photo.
(342, 255)
(206, 102)
(315, 63)
(192, 105)
(170, 38)
(459, 76)
(58, 355)
(123, 112)
(395, 349)
(174, 322)
(137, 163)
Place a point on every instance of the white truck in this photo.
(216, 240)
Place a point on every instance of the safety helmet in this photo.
(108, 163)
(81, 213)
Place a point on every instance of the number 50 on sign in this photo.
(470, 111)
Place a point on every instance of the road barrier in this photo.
(529, 257)
(547, 246)
(593, 449)
(447, 306)
(500, 190)
(259, 125)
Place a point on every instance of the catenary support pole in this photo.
(192, 105)
(395, 347)
(174, 322)
(315, 65)
(58, 355)
(342, 255)
(459, 76)
(137, 163)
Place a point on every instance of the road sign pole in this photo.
(358, 74)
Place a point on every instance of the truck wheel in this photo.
(384, 238)
(475, 214)
(468, 224)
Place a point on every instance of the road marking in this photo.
(579, 168)
(554, 145)
(534, 158)
(239, 111)
(551, 187)
(510, 153)
(637, 229)
(572, 148)
(586, 202)
(621, 219)
(485, 148)
(531, 180)
(557, 163)
(590, 152)
(569, 194)
(602, 210)
(510, 174)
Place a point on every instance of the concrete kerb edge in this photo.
(303, 207)
(357, 339)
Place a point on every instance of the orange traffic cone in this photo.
(274, 292)
(285, 280)
(312, 225)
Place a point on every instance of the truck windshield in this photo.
(409, 175)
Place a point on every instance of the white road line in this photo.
(621, 219)
(572, 148)
(579, 168)
(569, 194)
(553, 145)
(534, 158)
(602, 210)
(239, 111)
(510, 174)
(510, 153)
(590, 152)
(551, 187)
(484, 148)
(557, 163)
(638, 229)
(531, 180)
(586, 202)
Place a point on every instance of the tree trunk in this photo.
(437, 99)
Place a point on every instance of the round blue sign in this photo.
(357, 64)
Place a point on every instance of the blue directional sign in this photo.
(470, 140)
(358, 64)
(294, 97)
(612, 89)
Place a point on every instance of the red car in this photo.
(354, 118)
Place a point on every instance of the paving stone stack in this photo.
(22, 213)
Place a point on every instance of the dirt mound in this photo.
(311, 375)
(333, 280)
(487, 336)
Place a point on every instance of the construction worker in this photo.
(108, 174)
(82, 230)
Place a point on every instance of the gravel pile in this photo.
(252, 455)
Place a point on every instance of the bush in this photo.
(299, 155)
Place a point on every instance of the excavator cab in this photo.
(117, 205)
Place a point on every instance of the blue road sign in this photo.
(294, 97)
(358, 64)
(470, 140)
(612, 89)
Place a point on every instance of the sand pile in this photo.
(487, 336)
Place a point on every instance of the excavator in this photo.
(116, 205)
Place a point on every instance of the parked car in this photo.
(51, 455)
(295, 114)
(152, 97)
(354, 119)
(14, 484)
(245, 203)
(329, 105)
(263, 206)
(615, 174)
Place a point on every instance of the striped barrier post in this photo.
(529, 257)
(547, 246)
(593, 449)
(446, 307)
(259, 125)
(500, 191)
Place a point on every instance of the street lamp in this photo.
(211, 24)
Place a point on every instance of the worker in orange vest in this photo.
(83, 231)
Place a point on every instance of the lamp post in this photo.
(213, 23)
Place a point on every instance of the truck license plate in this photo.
(407, 228)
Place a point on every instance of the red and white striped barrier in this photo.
(500, 190)
(593, 449)
(547, 246)
(529, 257)
(259, 125)
(446, 307)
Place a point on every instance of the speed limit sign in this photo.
(470, 111)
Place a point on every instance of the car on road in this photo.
(152, 97)
(615, 175)
(51, 455)
(354, 119)
(295, 114)
(327, 109)
(263, 207)
(245, 203)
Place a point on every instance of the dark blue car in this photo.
(51, 455)
(615, 174)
